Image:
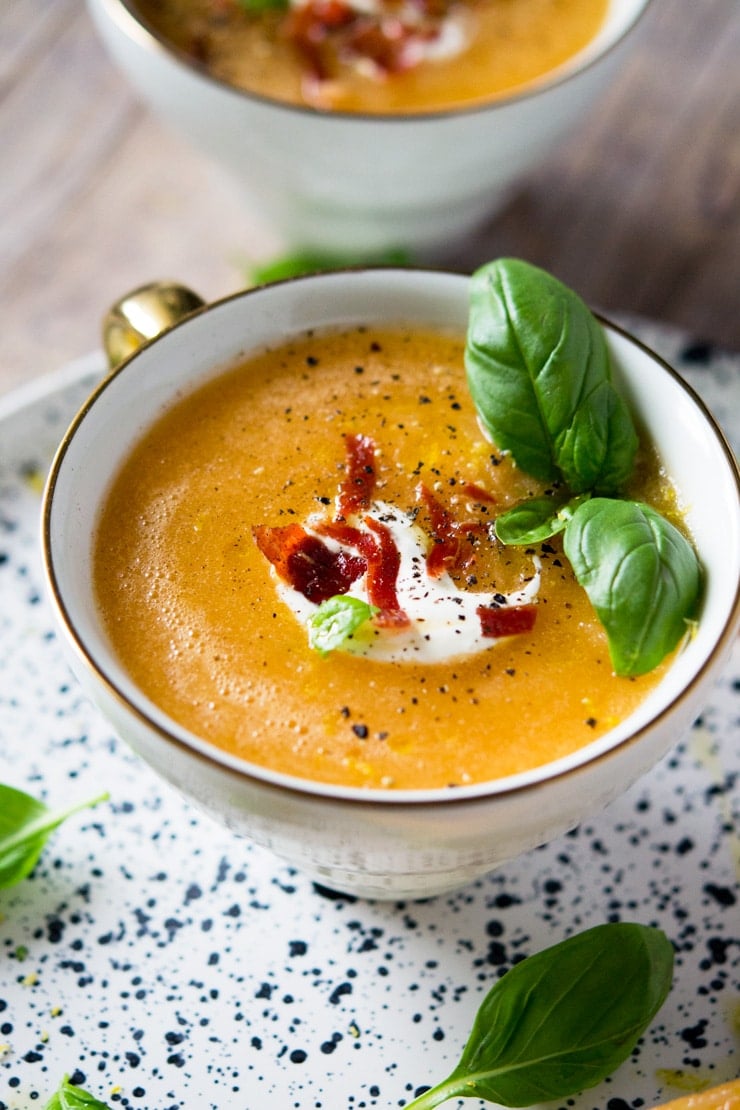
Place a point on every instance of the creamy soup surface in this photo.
(199, 617)
(379, 56)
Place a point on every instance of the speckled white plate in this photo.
(163, 963)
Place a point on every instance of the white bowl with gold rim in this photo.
(380, 842)
(346, 182)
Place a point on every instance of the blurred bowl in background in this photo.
(341, 182)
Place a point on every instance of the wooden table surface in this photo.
(640, 211)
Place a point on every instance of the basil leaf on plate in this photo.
(641, 575)
(70, 1097)
(25, 826)
(563, 1019)
(538, 371)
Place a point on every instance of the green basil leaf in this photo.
(69, 1097)
(538, 371)
(563, 1019)
(253, 7)
(314, 262)
(25, 826)
(641, 575)
(336, 620)
(536, 519)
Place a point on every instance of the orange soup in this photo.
(378, 56)
(302, 475)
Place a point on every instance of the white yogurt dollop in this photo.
(443, 619)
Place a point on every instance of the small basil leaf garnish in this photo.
(25, 826)
(641, 575)
(536, 519)
(562, 1020)
(335, 620)
(69, 1097)
(538, 371)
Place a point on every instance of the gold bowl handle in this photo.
(143, 314)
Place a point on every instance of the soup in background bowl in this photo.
(385, 835)
(382, 58)
(376, 174)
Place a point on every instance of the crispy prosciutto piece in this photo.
(350, 536)
(307, 564)
(383, 562)
(328, 34)
(357, 488)
(506, 620)
(382, 575)
(478, 493)
(310, 28)
(445, 547)
(450, 548)
(388, 44)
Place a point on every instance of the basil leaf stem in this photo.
(70, 1097)
(25, 826)
(641, 576)
(563, 1019)
(538, 371)
(536, 519)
